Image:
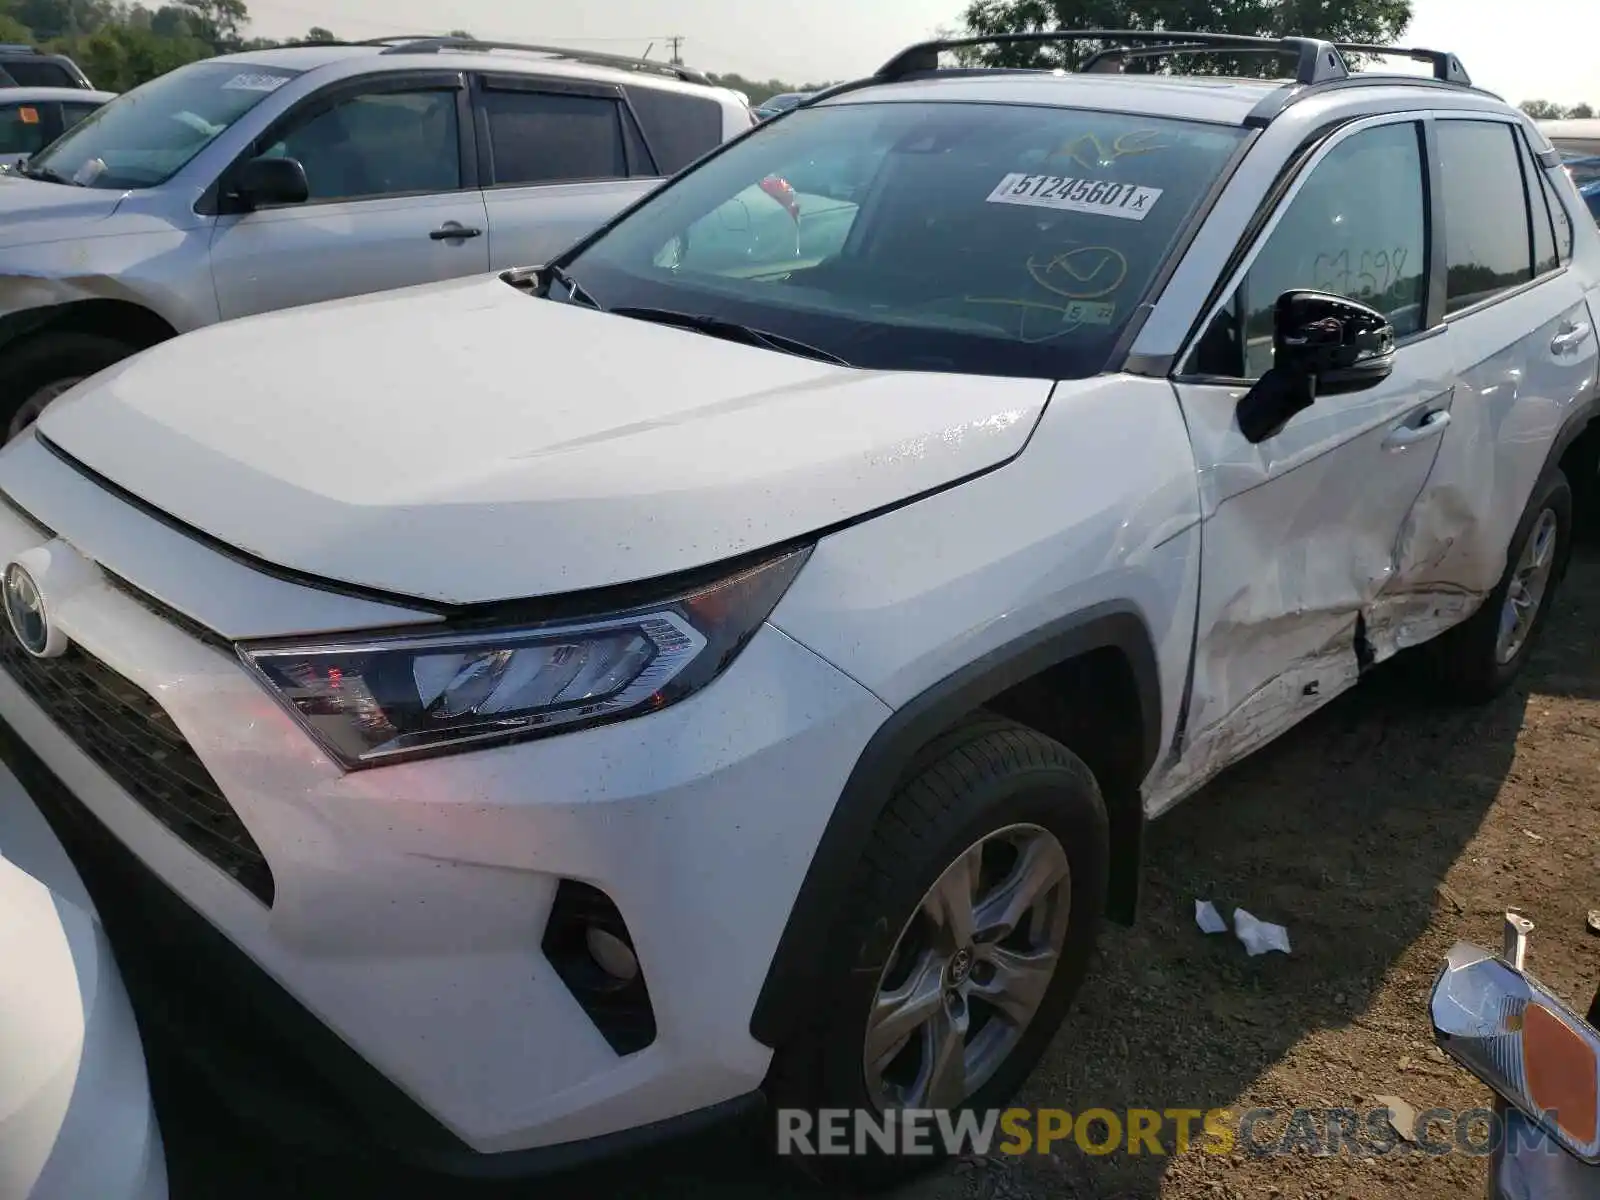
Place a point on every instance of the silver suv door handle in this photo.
(1571, 337)
(450, 232)
(1431, 425)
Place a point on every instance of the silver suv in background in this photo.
(257, 181)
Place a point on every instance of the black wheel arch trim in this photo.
(802, 955)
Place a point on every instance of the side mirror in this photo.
(262, 182)
(1322, 345)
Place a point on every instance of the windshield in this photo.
(146, 136)
(974, 238)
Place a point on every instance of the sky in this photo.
(835, 39)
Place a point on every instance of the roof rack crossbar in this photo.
(1316, 61)
(1446, 66)
(433, 45)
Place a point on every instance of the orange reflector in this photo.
(1562, 1074)
(30, 116)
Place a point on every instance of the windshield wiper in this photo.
(575, 290)
(47, 174)
(731, 331)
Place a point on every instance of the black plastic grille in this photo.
(133, 740)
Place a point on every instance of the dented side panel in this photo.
(1299, 546)
(1522, 376)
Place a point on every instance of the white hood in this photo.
(465, 442)
(32, 211)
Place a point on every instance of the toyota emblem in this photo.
(26, 612)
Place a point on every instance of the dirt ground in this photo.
(1379, 832)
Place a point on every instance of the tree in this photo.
(461, 33)
(13, 30)
(1581, 112)
(318, 34)
(1371, 21)
(1543, 110)
(171, 22)
(218, 23)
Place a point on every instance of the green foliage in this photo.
(1379, 21)
(1544, 110)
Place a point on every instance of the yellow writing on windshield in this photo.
(1087, 150)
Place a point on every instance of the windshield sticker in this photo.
(1127, 201)
(29, 116)
(256, 83)
(91, 170)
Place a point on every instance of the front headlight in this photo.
(379, 699)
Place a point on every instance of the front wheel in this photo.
(1478, 659)
(39, 370)
(969, 929)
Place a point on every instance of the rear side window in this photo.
(1485, 211)
(679, 127)
(552, 137)
(40, 73)
(21, 128)
(1560, 218)
(1545, 258)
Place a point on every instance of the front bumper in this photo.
(409, 902)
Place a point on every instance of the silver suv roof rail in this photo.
(432, 45)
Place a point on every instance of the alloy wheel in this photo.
(969, 971)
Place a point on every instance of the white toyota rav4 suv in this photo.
(717, 664)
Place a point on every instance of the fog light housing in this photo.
(588, 944)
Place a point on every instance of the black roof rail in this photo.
(1447, 67)
(1316, 61)
(433, 45)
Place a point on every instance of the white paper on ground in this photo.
(1259, 937)
(1208, 918)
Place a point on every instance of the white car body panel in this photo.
(433, 884)
(76, 1118)
(985, 563)
(761, 448)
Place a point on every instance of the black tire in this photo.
(1465, 661)
(984, 776)
(47, 360)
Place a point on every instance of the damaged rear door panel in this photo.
(1301, 532)
(1526, 355)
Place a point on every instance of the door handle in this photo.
(451, 232)
(1571, 337)
(1406, 436)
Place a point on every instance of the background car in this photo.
(32, 118)
(1579, 135)
(252, 182)
(28, 66)
(782, 102)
